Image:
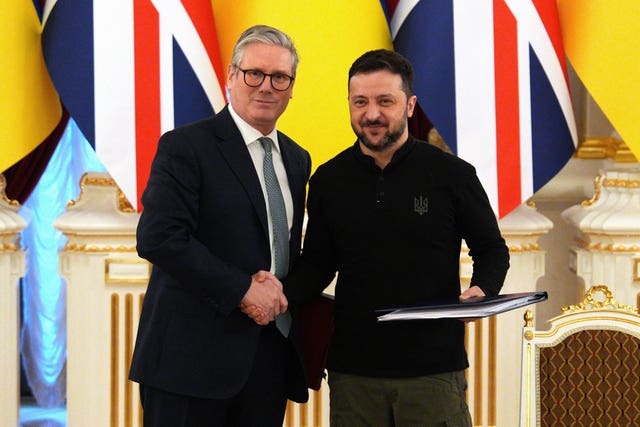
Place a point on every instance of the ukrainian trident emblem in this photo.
(420, 205)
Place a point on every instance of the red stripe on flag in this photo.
(147, 88)
(507, 107)
(201, 14)
(548, 11)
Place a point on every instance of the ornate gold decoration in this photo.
(8, 247)
(123, 202)
(3, 195)
(605, 147)
(597, 298)
(636, 270)
(621, 183)
(525, 247)
(602, 318)
(528, 319)
(608, 247)
(597, 186)
(530, 203)
(73, 247)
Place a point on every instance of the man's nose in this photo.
(373, 112)
(265, 86)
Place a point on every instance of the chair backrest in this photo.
(584, 370)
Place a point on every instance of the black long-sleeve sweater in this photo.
(394, 237)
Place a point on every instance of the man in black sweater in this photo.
(388, 214)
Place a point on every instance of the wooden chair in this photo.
(584, 370)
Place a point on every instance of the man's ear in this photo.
(411, 105)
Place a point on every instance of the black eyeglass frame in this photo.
(264, 76)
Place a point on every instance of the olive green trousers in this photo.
(428, 401)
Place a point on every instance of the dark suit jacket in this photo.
(204, 229)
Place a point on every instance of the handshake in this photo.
(264, 300)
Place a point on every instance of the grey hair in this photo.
(267, 35)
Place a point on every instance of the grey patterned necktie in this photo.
(279, 223)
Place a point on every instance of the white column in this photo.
(12, 267)
(606, 247)
(106, 281)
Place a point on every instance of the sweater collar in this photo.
(397, 157)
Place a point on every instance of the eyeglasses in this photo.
(279, 81)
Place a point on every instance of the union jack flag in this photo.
(127, 71)
(491, 76)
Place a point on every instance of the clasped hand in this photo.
(264, 300)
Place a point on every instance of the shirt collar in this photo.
(249, 133)
(398, 156)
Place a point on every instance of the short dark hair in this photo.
(383, 59)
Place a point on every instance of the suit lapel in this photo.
(296, 185)
(236, 154)
(291, 166)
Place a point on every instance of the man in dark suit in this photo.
(207, 228)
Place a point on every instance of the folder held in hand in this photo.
(475, 307)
